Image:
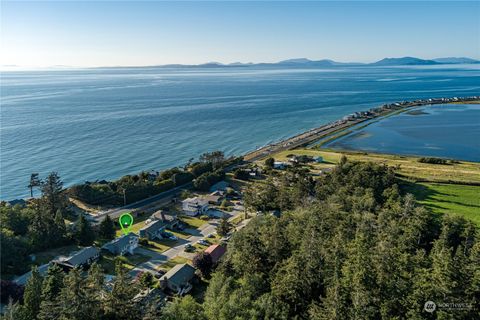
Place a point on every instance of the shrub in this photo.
(433, 160)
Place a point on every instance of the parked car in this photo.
(211, 235)
(189, 248)
(169, 235)
(203, 242)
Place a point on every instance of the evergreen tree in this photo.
(73, 302)
(60, 231)
(224, 226)
(32, 296)
(14, 311)
(94, 291)
(53, 198)
(119, 304)
(34, 182)
(185, 308)
(107, 228)
(51, 288)
(84, 233)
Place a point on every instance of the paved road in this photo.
(164, 196)
(157, 259)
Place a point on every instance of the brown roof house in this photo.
(216, 252)
(178, 278)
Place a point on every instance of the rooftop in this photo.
(153, 226)
(196, 201)
(180, 274)
(81, 256)
(216, 251)
(119, 242)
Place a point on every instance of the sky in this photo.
(136, 33)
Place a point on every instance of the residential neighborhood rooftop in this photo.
(180, 274)
(216, 252)
(81, 256)
(152, 226)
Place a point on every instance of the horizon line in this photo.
(9, 67)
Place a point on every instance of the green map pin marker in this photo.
(126, 222)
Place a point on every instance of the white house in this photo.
(279, 165)
(122, 245)
(195, 206)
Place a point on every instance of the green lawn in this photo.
(192, 222)
(173, 262)
(462, 172)
(139, 224)
(453, 199)
(107, 262)
(161, 245)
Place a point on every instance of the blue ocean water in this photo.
(447, 130)
(104, 123)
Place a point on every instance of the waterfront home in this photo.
(195, 206)
(80, 259)
(170, 221)
(216, 252)
(122, 245)
(219, 186)
(178, 278)
(153, 230)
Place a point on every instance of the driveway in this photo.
(157, 259)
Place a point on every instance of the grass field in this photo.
(173, 262)
(431, 188)
(107, 262)
(463, 172)
(449, 199)
(161, 245)
(192, 222)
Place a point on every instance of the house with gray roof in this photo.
(220, 186)
(80, 259)
(123, 245)
(170, 221)
(153, 230)
(178, 278)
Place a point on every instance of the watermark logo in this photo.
(430, 306)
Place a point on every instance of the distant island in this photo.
(325, 63)
(294, 63)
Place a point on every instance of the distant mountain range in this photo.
(307, 63)
(304, 62)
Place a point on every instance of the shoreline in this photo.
(338, 127)
(347, 122)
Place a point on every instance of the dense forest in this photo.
(351, 244)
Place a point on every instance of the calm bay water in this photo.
(447, 130)
(105, 123)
